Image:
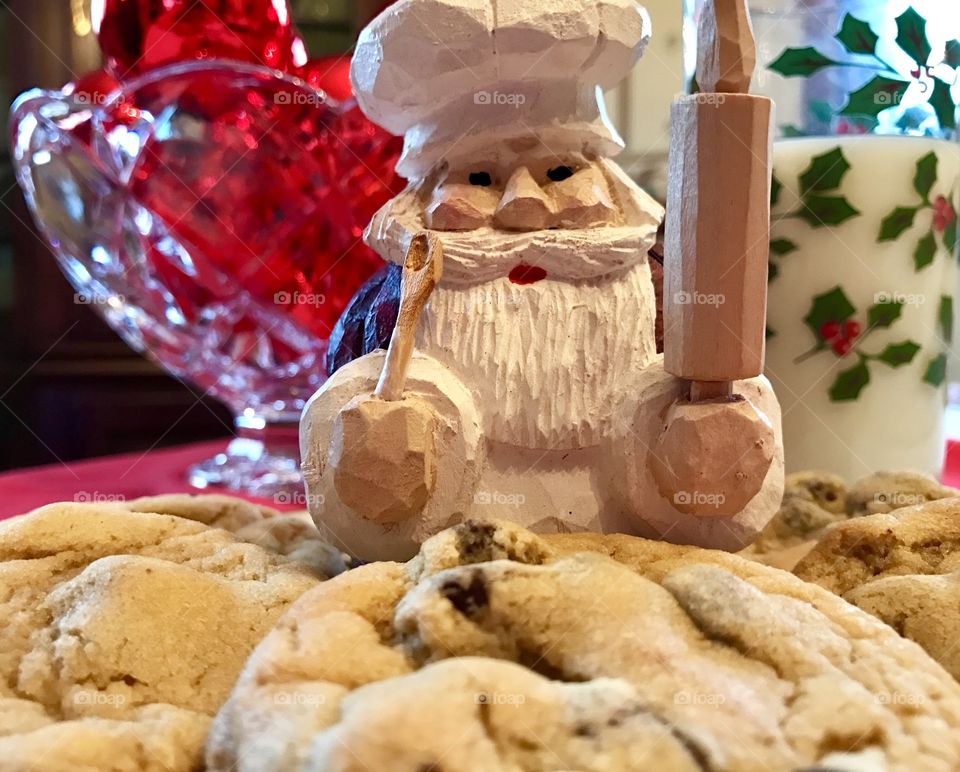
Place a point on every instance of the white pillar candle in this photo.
(863, 272)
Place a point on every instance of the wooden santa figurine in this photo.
(522, 380)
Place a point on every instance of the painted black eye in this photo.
(481, 179)
(560, 173)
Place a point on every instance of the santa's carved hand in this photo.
(712, 457)
(383, 456)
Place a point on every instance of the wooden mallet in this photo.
(383, 448)
(718, 213)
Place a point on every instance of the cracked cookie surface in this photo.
(902, 567)
(122, 632)
(495, 649)
(816, 501)
(291, 534)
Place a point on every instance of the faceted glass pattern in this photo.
(213, 212)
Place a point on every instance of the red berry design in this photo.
(943, 214)
(841, 336)
(842, 347)
(830, 331)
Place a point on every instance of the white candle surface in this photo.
(862, 279)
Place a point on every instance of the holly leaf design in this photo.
(950, 236)
(925, 252)
(824, 173)
(856, 36)
(820, 211)
(773, 271)
(926, 175)
(802, 62)
(945, 316)
(776, 188)
(832, 306)
(821, 110)
(895, 223)
(912, 35)
(884, 314)
(936, 372)
(952, 54)
(878, 95)
(850, 383)
(899, 354)
(770, 332)
(783, 247)
(943, 105)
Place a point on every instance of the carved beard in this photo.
(548, 361)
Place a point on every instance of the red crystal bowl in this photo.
(138, 35)
(213, 212)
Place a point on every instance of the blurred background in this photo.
(70, 388)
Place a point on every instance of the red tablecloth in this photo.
(162, 471)
(112, 478)
(951, 470)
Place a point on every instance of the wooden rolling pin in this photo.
(718, 213)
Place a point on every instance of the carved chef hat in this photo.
(455, 76)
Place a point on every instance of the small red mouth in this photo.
(527, 274)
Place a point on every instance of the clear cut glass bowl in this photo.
(212, 212)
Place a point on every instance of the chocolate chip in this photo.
(538, 663)
(475, 541)
(470, 599)
(584, 730)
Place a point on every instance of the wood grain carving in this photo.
(422, 271)
(529, 388)
(718, 213)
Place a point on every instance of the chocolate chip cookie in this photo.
(495, 649)
(902, 567)
(122, 632)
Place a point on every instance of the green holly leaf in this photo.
(821, 110)
(802, 62)
(773, 271)
(878, 95)
(770, 332)
(783, 247)
(899, 354)
(925, 252)
(952, 55)
(856, 36)
(819, 211)
(895, 223)
(824, 173)
(789, 131)
(936, 372)
(926, 175)
(912, 35)
(850, 383)
(884, 314)
(950, 237)
(832, 306)
(776, 188)
(946, 317)
(943, 105)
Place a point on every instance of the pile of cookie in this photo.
(180, 633)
